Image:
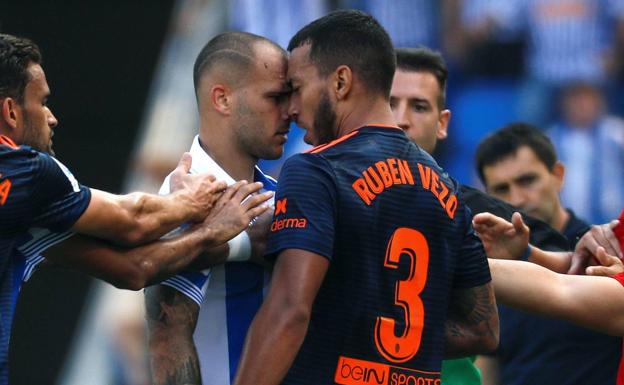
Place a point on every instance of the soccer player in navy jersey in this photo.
(377, 267)
(42, 205)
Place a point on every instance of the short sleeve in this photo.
(61, 200)
(472, 267)
(42, 193)
(193, 284)
(305, 207)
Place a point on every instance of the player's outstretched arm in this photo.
(171, 320)
(593, 302)
(510, 240)
(135, 268)
(472, 323)
(278, 330)
(138, 218)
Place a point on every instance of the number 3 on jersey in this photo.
(401, 348)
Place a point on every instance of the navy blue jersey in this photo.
(399, 240)
(39, 201)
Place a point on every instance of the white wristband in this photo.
(240, 248)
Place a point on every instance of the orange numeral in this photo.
(401, 348)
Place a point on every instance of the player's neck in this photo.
(238, 164)
(375, 112)
(560, 219)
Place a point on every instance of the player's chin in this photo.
(273, 152)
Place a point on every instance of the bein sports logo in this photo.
(358, 372)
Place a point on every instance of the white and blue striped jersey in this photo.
(39, 202)
(229, 295)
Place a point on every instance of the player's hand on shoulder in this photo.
(586, 251)
(235, 209)
(502, 239)
(200, 190)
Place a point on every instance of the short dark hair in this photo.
(233, 49)
(423, 59)
(16, 54)
(352, 38)
(508, 140)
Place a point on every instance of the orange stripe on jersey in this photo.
(8, 142)
(325, 146)
(382, 126)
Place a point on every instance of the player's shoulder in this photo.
(13, 155)
(305, 161)
(27, 163)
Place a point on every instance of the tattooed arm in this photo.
(472, 322)
(171, 320)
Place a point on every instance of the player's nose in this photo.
(52, 121)
(517, 197)
(400, 116)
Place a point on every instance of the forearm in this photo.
(472, 324)
(171, 320)
(152, 216)
(131, 268)
(271, 346)
(132, 219)
(556, 261)
(592, 302)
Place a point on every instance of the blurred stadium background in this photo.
(121, 80)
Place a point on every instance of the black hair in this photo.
(16, 54)
(423, 59)
(352, 38)
(508, 140)
(234, 50)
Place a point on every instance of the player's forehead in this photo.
(37, 82)
(269, 65)
(522, 162)
(415, 84)
(300, 67)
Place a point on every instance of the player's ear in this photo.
(11, 112)
(558, 171)
(221, 98)
(443, 123)
(342, 81)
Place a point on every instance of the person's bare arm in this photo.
(134, 268)
(138, 218)
(278, 330)
(171, 321)
(593, 302)
(472, 322)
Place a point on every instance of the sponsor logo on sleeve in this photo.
(280, 206)
(285, 223)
